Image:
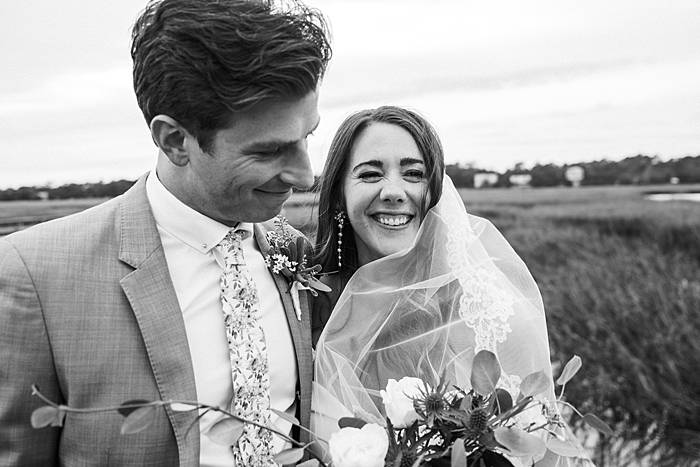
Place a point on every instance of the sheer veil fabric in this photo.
(427, 311)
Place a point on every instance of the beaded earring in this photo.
(340, 218)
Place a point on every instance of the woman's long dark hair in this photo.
(331, 198)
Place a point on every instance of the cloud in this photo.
(68, 92)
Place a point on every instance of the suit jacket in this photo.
(89, 314)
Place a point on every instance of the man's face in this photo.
(253, 164)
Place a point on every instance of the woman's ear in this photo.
(170, 137)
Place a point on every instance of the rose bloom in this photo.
(398, 400)
(359, 447)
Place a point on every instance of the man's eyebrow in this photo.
(274, 144)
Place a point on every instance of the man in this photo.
(162, 293)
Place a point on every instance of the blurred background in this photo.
(573, 126)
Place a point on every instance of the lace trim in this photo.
(483, 306)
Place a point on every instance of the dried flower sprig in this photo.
(288, 256)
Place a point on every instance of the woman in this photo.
(415, 186)
(420, 285)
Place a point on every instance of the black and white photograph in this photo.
(328, 233)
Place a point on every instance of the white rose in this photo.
(359, 447)
(398, 400)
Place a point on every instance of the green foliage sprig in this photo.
(465, 428)
(139, 415)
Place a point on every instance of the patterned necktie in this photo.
(250, 369)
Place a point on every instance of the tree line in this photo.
(69, 191)
(640, 169)
(636, 170)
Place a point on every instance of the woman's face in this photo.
(383, 190)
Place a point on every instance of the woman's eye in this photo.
(370, 176)
(414, 175)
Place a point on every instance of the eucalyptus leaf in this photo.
(129, 406)
(353, 422)
(459, 454)
(309, 463)
(286, 416)
(182, 407)
(60, 416)
(292, 248)
(519, 442)
(562, 448)
(534, 383)
(44, 416)
(318, 285)
(138, 420)
(595, 422)
(466, 403)
(289, 456)
(301, 246)
(485, 372)
(226, 431)
(570, 369)
(504, 401)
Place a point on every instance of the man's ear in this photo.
(170, 137)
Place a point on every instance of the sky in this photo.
(503, 82)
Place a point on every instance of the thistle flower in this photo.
(478, 421)
(432, 402)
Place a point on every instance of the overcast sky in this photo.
(503, 81)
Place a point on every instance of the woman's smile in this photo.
(393, 221)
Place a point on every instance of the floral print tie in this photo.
(250, 369)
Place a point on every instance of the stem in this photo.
(530, 429)
(519, 407)
(571, 407)
(36, 392)
(195, 406)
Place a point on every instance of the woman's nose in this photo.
(392, 192)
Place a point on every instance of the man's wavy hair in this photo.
(202, 61)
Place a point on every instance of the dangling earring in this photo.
(340, 218)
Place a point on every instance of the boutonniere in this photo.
(287, 256)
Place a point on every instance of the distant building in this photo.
(43, 195)
(520, 180)
(674, 181)
(485, 179)
(575, 174)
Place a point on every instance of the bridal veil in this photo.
(425, 312)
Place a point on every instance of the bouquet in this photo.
(425, 426)
(450, 426)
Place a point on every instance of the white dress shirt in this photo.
(195, 264)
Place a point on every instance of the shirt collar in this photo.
(184, 223)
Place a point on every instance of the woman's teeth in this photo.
(392, 220)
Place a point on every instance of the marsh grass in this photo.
(621, 286)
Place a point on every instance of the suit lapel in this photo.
(300, 330)
(152, 297)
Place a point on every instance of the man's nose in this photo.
(393, 192)
(297, 172)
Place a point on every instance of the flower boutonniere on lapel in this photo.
(288, 256)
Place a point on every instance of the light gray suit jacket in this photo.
(89, 314)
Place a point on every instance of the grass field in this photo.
(620, 279)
